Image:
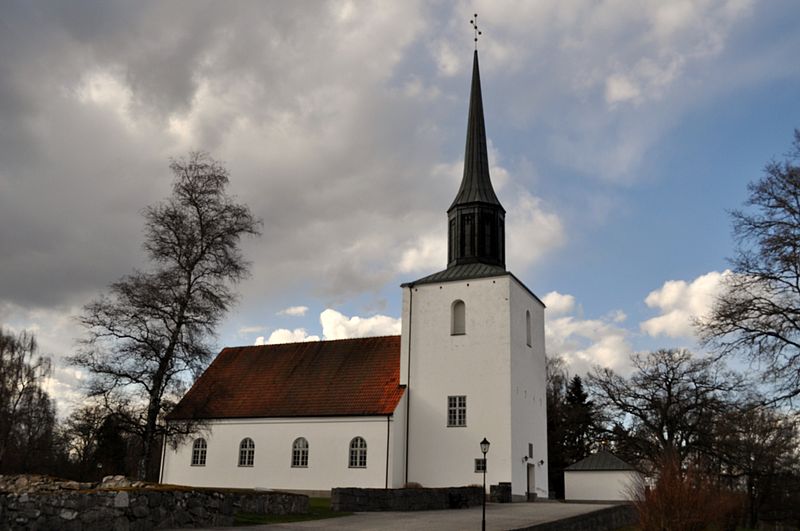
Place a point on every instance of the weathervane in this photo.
(474, 23)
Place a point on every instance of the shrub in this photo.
(686, 500)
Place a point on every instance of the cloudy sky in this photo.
(620, 132)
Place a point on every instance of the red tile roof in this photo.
(322, 378)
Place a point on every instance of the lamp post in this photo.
(485, 450)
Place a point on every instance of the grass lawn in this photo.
(318, 509)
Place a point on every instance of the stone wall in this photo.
(413, 499)
(617, 517)
(138, 509)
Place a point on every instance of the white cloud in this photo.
(295, 311)
(584, 343)
(620, 88)
(336, 325)
(558, 303)
(283, 335)
(680, 302)
(429, 254)
(532, 231)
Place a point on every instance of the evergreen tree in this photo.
(579, 422)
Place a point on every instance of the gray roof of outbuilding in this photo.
(602, 460)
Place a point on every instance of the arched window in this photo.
(458, 319)
(358, 453)
(528, 327)
(199, 452)
(247, 452)
(300, 453)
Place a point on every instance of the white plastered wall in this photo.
(599, 485)
(328, 439)
(436, 364)
(528, 393)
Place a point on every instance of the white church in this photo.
(386, 411)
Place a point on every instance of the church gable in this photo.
(347, 377)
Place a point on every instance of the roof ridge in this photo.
(317, 341)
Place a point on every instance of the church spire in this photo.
(476, 218)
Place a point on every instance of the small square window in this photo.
(457, 411)
(480, 465)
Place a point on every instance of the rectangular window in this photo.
(358, 453)
(457, 410)
(199, 457)
(199, 452)
(530, 449)
(300, 457)
(480, 465)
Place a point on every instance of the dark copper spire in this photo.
(476, 217)
(476, 185)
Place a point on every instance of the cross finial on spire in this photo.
(474, 23)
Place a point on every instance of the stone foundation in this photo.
(139, 509)
(414, 499)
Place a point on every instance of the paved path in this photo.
(498, 517)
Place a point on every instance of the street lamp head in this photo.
(484, 446)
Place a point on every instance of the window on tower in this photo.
(469, 236)
(528, 327)
(458, 325)
(456, 411)
(451, 251)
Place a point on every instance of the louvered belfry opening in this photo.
(476, 219)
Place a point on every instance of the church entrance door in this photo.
(531, 482)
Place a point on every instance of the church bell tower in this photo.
(476, 219)
(472, 352)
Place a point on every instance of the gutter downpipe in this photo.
(408, 370)
(163, 455)
(386, 483)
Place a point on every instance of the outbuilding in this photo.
(600, 477)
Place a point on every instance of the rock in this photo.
(198, 511)
(182, 517)
(121, 524)
(122, 499)
(71, 509)
(116, 482)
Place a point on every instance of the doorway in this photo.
(531, 482)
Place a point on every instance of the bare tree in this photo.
(667, 406)
(27, 414)
(80, 431)
(155, 326)
(758, 314)
(756, 445)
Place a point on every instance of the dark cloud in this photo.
(335, 119)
